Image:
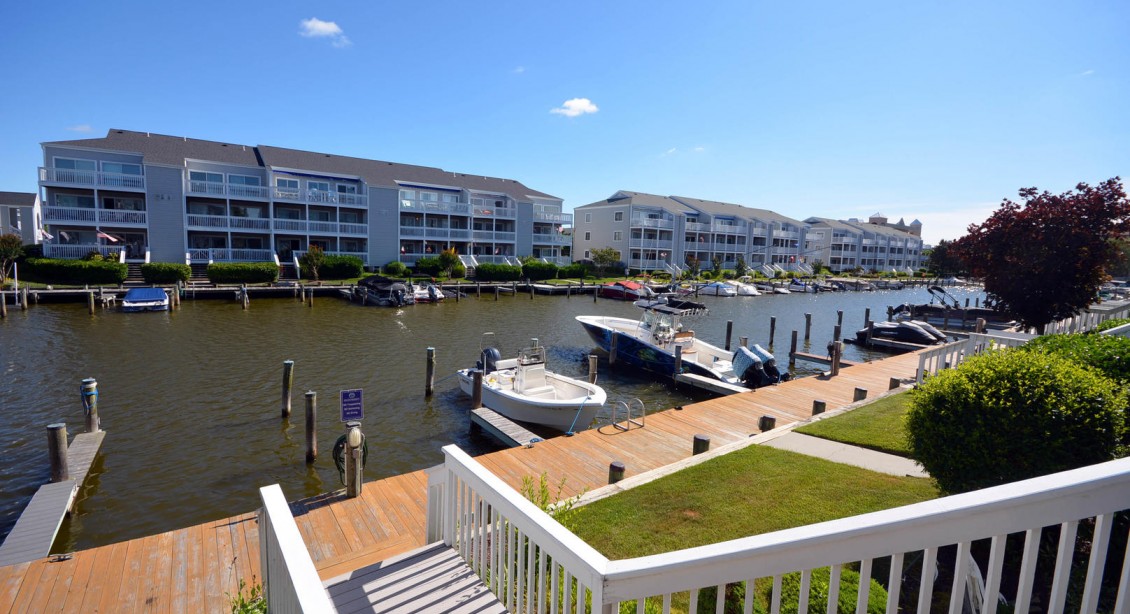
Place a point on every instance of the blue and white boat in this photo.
(650, 344)
(145, 299)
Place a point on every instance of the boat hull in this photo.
(639, 354)
(561, 414)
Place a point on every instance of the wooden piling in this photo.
(23, 298)
(792, 348)
(311, 426)
(743, 341)
(89, 391)
(353, 461)
(616, 471)
(3, 304)
(839, 317)
(859, 395)
(729, 331)
(772, 329)
(678, 359)
(288, 382)
(866, 316)
(302, 293)
(766, 423)
(807, 326)
(496, 293)
(836, 331)
(980, 325)
(592, 368)
(90, 301)
(458, 293)
(837, 355)
(310, 302)
(430, 373)
(57, 450)
(895, 383)
(478, 289)
(870, 331)
(818, 407)
(612, 349)
(568, 288)
(476, 389)
(700, 444)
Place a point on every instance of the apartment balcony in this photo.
(230, 255)
(322, 227)
(411, 231)
(79, 215)
(651, 244)
(487, 235)
(249, 223)
(496, 212)
(77, 251)
(697, 227)
(62, 177)
(565, 219)
(226, 190)
(729, 229)
(197, 221)
(429, 206)
(647, 264)
(354, 229)
(759, 232)
(644, 222)
(786, 234)
(552, 238)
(290, 225)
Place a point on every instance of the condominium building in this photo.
(871, 246)
(652, 232)
(20, 214)
(171, 199)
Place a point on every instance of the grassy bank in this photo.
(878, 426)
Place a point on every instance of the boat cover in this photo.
(744, 358)
(145, 294)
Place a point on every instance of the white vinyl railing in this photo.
(69, 214)
(80, 250)
(85, 178)
(290, 580)
(1086, 321)
(1119, 331)
(230, 255)
(532, 563)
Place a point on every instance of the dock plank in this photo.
(500, 427)
(35, 529)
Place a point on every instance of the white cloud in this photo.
(519, 70)
(574, 107)
(80, 128)
(699, 149)
(316, 28)
(671, 152)
(1086, 73)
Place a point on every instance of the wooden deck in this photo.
(502, 428)
(197, 568)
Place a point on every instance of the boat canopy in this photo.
(145, 294)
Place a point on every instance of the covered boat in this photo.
(906, 331)
(744, 287)
(652, 342)
(386, 292)
(145, 299)
(948, 308)
(626, 291)
(522, 389)
(718, 288)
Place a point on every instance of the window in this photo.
(408, 194)
(319, 216)
(449, 198)
(205, 176)
(587, 256)
(617, 236)
(320, 186)
(74, 200)
(243, 180)
(588, 218)
(588, 236)
(123, 204)
(289, 184)
(75, 165)
(346, 188)
(121, 168)
(619, 216)
(428, 196)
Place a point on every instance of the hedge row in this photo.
(243, 272)
(165, 272)
(430, 266)
(56, 271)
(498, 272)
(536, 270)
(336, 267)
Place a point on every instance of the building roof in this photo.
(643, 199)
(833, 224)
(715, 208)
(18, 199)
(174, 150)
(881, 229)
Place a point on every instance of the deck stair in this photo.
(430, 579)
(133, 273)
(199, 272)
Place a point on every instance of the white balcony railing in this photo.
(323, 227)
(258, 192)
(499, 212)
(436, 233)
(646, 222)
(647, 264)
(552, 238)
(230, 255)
(459, 233)
(250, 223)
(196, 220)
(354, 229)
(217, 188)
(431, 206)
(532, 563)
(290, 225)
(91, 178)
(121, 216)
(729, 229)
(697, 227)
(651, 244)
(79, 250)
(557, 218)
(70, 214)
(411, 231)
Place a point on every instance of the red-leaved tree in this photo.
(1045, 258)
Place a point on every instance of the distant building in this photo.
(914, 228)
(20, 214)
(871, 246)
(172, 199)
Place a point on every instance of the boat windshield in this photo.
(532, 356)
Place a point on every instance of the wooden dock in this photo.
(37, 526)
(502, 428)
(196, 568)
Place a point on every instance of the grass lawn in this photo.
(878, 426)
(747, 492)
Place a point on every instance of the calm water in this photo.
(190, 399)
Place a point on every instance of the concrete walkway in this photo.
(848, 455)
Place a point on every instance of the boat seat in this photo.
(541, 391)
(506, 363)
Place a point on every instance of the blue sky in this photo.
(925, 109)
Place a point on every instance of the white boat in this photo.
(650, 344)
(145, 299)
(717, 288)
(797, 285)
(522, 389)
(743, 288)
(769, 288)
(427, 293)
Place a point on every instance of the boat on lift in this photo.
(145, 299)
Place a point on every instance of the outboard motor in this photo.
(432, 292)
(488, 360)
(769, 365)
(398, 297)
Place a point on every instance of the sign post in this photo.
(352, 405)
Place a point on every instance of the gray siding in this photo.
(384, 225)
(601, 230)
(524, 230)
(164, 199)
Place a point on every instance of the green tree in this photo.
(1044, 259)
(740, 267)
(1121, 267)
(11, 248)
(448, 258)
(312, 260)
(943, 260)
(693, 265)
(604, 258)
(716, 264)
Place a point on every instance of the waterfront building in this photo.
(20, 214)
(654, 233)
(149, 197)
(871, 246)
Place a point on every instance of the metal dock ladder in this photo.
(628, 419)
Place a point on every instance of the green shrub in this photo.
(1106, 325)
(243, 272)
(576, 270)
(1107, 353)
(498, 272)
(1012, 415)
(395, 268)
(818, 593)
(706, 275)
(734, 601)
(165, 272)
(458, 271)
(428, 266)
(337, 267)
(78, 272)
(536, 270)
